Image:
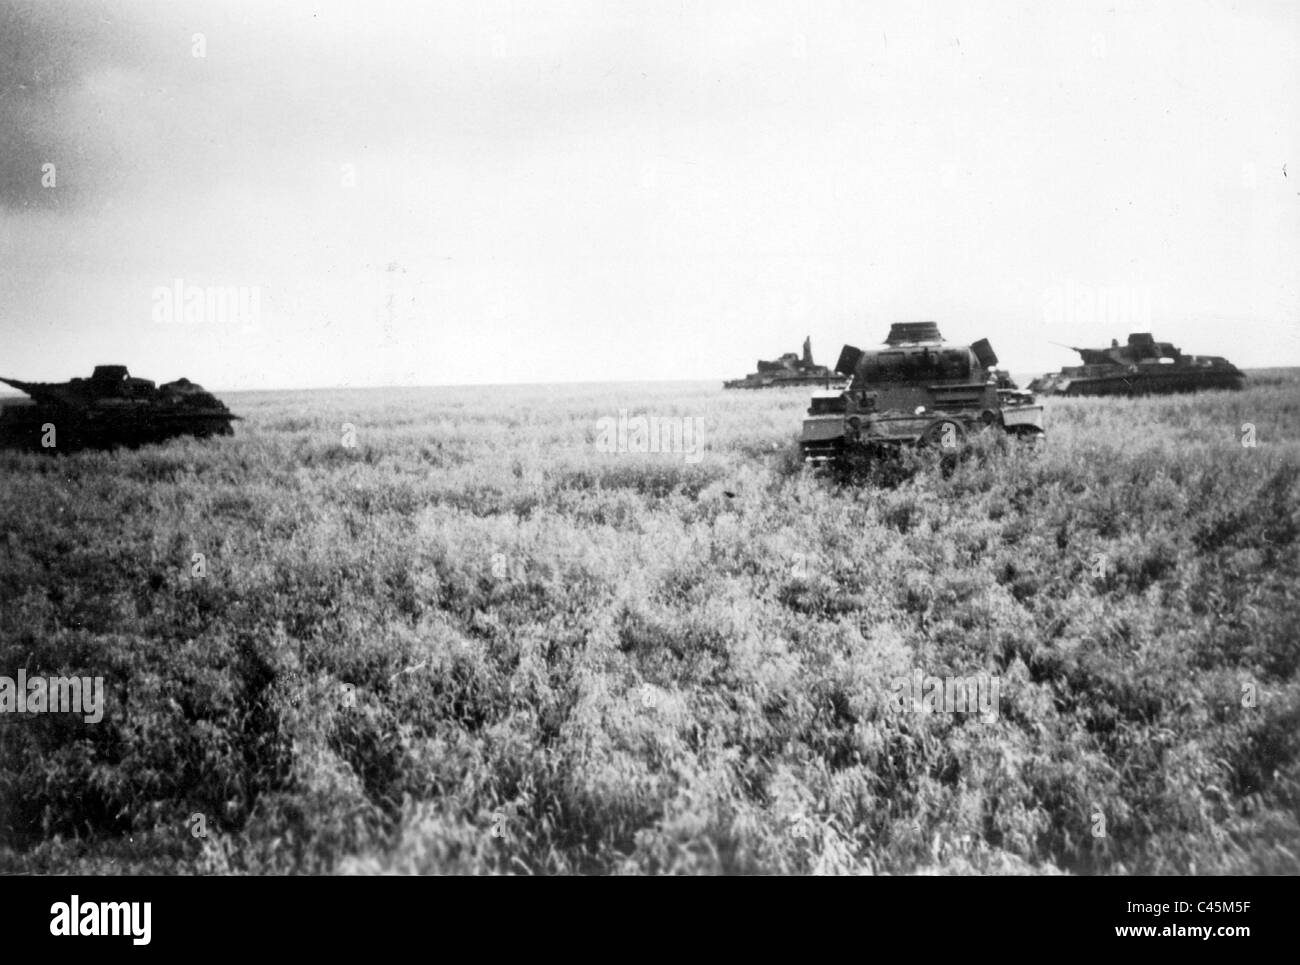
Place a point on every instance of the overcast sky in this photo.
(432, 193)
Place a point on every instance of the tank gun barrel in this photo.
(44, 392)
(31, 388)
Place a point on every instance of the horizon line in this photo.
(6, 392)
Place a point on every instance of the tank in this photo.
(789, 369)
(916, 389)
(1141, 367)
(108, 409)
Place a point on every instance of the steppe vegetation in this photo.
(473, 642)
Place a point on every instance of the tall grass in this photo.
(472, 642)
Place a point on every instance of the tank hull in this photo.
(829, 438)
(779, 382)
(1128, 383)
(27, 427)
(789, 370)
(109, 409)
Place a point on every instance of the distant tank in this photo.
(1142, 367)
(109, 409)
(916, 389)
(789, 369)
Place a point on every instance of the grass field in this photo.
(475, 642)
